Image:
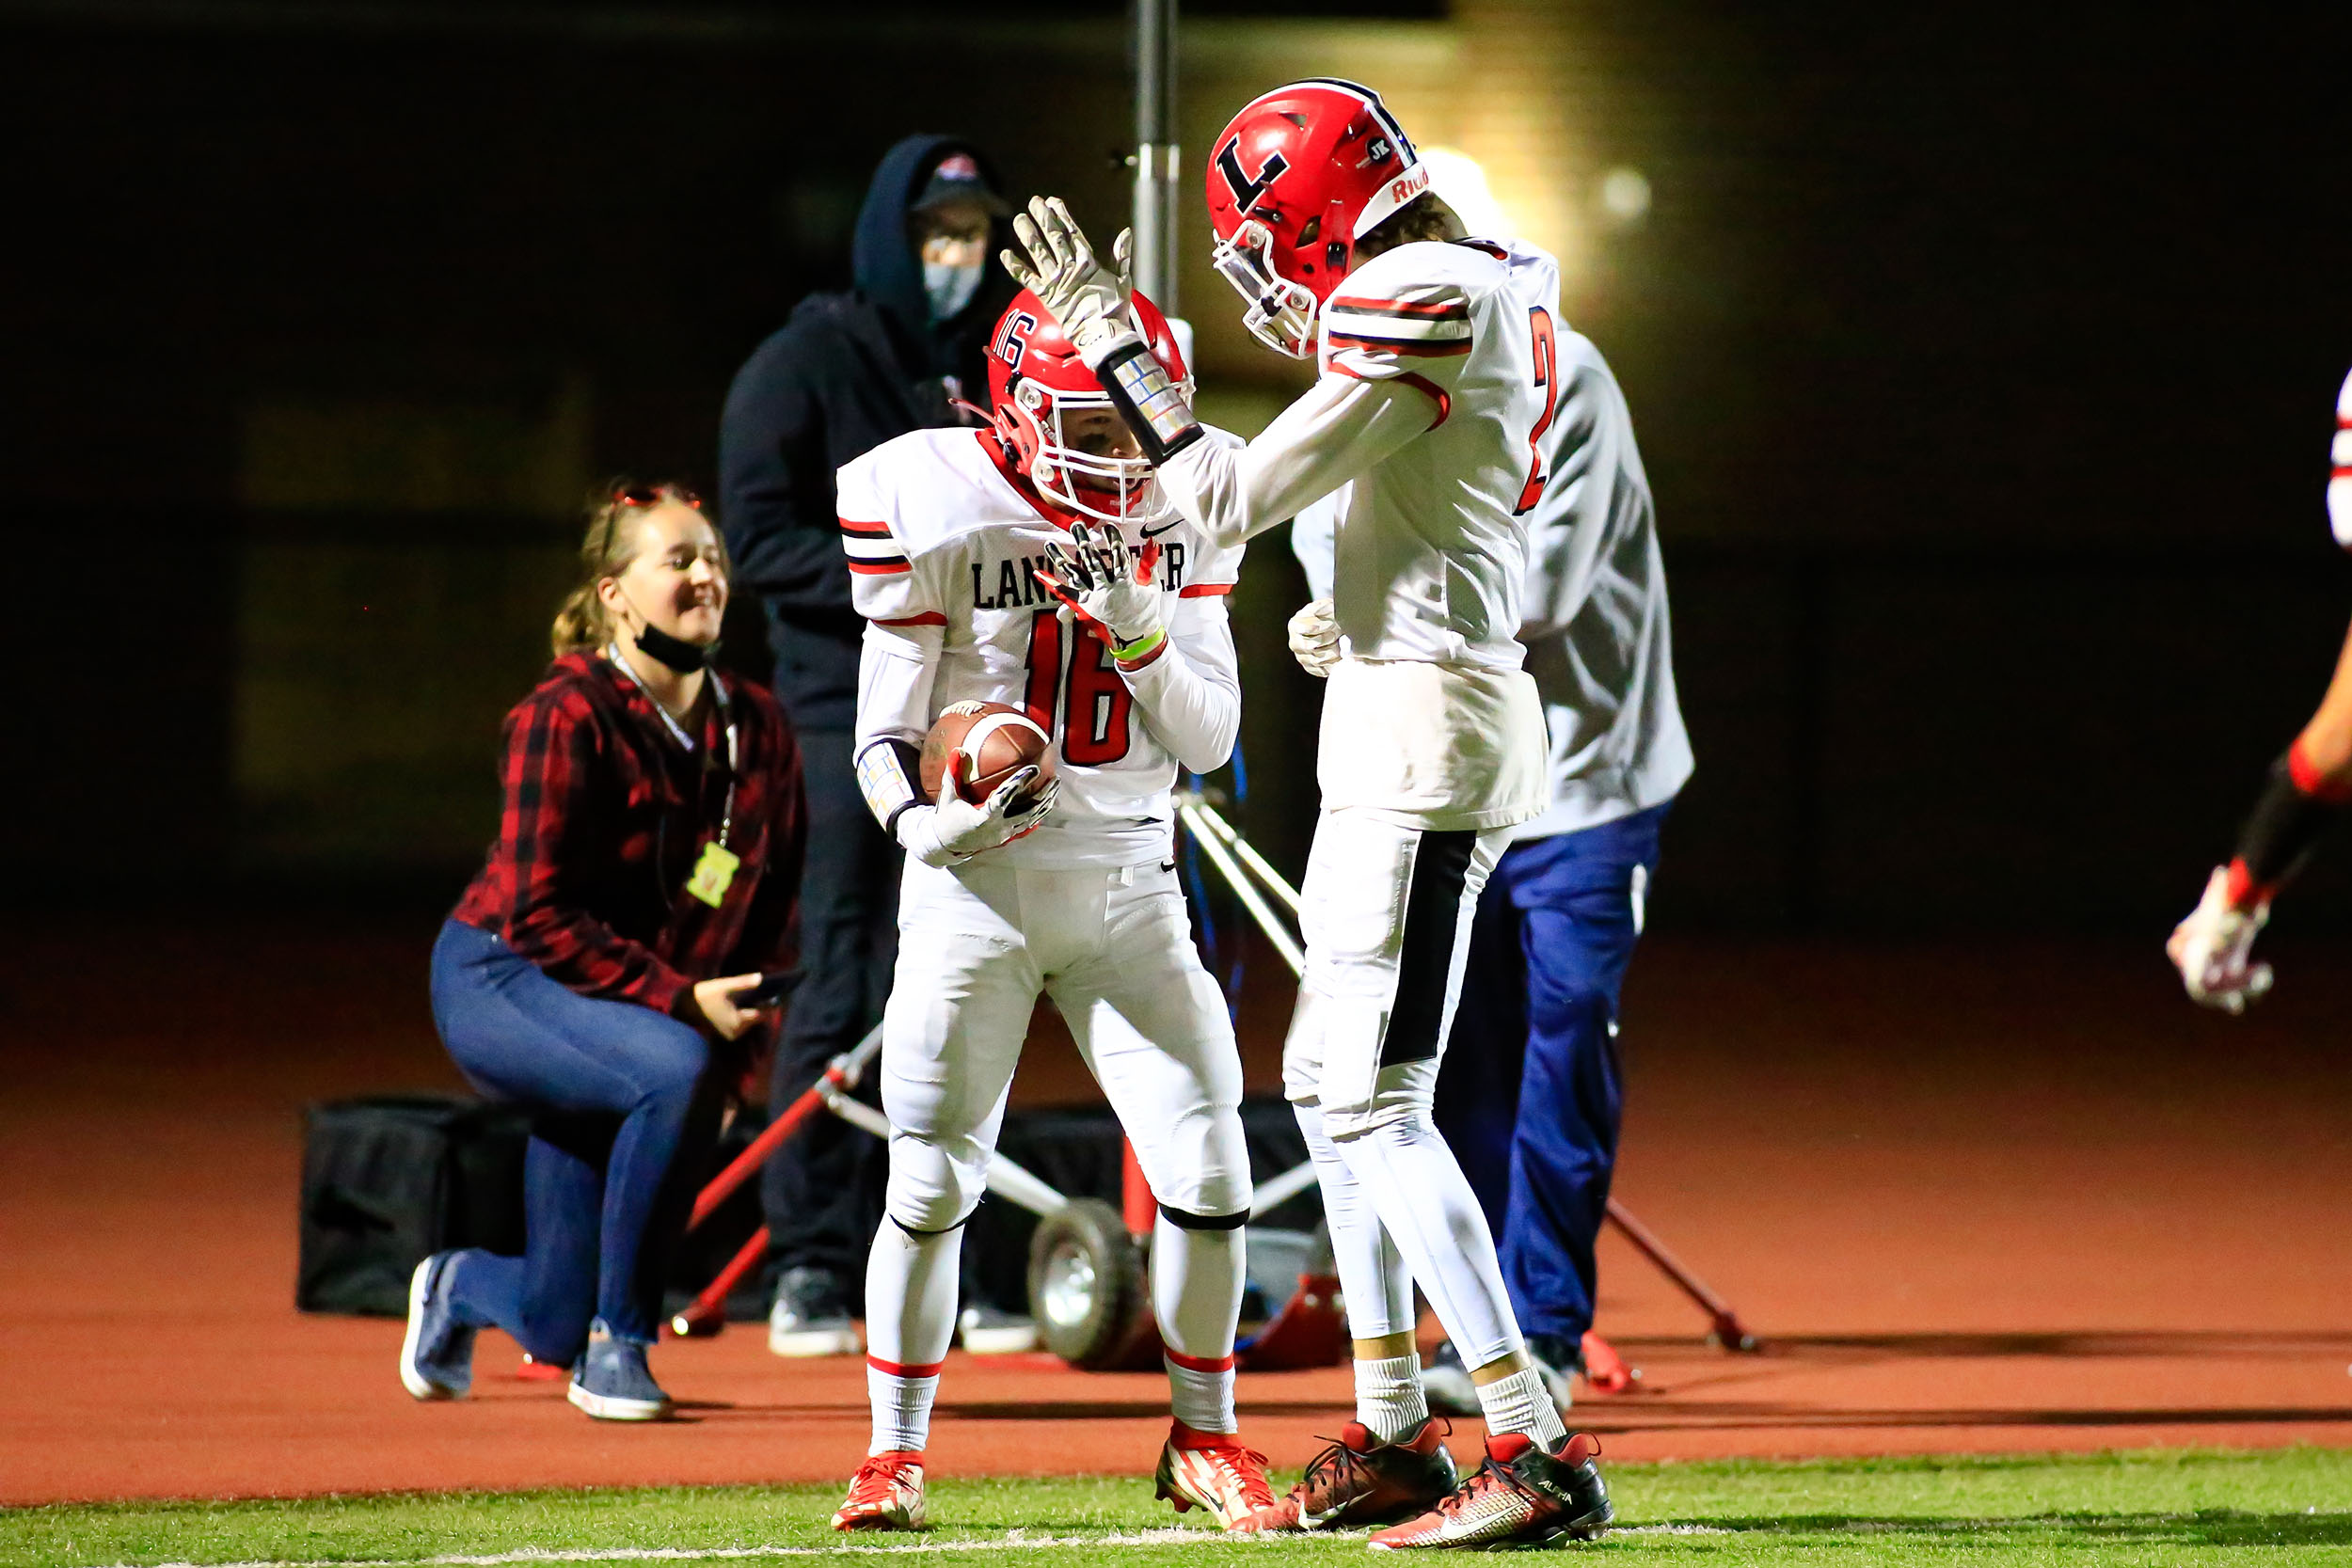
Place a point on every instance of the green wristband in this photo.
(1133, 653)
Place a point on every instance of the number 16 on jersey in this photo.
(1072, 663)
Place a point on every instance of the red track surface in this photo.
(1975, 1201)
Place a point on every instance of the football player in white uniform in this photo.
(1433, 745)
(2307, 790)
(1035, 564)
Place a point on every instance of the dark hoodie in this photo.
(848, 372)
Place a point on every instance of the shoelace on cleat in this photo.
(1334, 1469)
(1256, 1492)
(876, 1479)
(1491, 1475)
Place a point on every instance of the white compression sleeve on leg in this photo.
(1429, 1211)
(1196, 1296)
(1373, 1282)
(911, 1286)
(1372, 1277)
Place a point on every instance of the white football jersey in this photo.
(2339, 471)
(1430, 545)
(942, 534)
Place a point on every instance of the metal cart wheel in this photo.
(1088, 1290)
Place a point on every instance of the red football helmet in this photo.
(1035, 378)
(1294, 180)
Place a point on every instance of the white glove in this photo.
(1315, 639)
(1086, 299)
(1093, 576)
(2212, 949)
(955, 829)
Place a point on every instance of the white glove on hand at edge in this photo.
(956, 830)
(2213, 949)
(1086, 299)
(1315, 638)
(1106, 586)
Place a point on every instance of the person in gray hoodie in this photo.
(849, 370)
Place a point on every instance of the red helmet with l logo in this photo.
(1293, 180)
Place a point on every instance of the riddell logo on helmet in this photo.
(1409, 186)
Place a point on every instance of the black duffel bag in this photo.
(389, 1180)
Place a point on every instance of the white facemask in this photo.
(949, 286)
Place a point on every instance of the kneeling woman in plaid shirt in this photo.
(645, 873)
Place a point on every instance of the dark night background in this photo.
(1983, 358)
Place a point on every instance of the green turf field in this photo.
(2288, 1506)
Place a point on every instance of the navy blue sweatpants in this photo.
(625, 1116)
(1529, 1093)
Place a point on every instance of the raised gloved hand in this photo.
(1315, 638)
(1109, 588)
(2213, 948)
(956, 830)
(1087, 299)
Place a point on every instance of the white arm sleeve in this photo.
(1315, 540)
(1341, 428)
(895, 669)
(1190, 696)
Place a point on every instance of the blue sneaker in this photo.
(612, 1382)
(436, 1357)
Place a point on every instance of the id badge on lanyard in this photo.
(714, 873)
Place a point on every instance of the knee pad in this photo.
(930, 1191)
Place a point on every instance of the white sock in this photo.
(910, 1319)
(1389, 1400)
(1201, 1393)
(1196, 1297)
(901, 1399)
(1521, 1403)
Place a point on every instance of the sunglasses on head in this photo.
(654, 495)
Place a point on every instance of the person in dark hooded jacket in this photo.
(849, 370)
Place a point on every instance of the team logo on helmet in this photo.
(1246, 187)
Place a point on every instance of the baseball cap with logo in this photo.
(958, 178)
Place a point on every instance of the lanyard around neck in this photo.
(677, 731)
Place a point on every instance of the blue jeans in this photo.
(626, 1115)
(1529, 1093)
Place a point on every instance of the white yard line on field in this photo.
(1020, 1539)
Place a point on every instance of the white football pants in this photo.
(1386, 911)
(1113, 948)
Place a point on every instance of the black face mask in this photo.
(678, 654)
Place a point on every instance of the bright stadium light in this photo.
(1461, 185)
(1624, 196)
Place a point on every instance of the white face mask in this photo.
(949, 286)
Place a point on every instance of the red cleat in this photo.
(1212, 1470)
(1522, 1497)
(885, 1494)
(1362, 1481)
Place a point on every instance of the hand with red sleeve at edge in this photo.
(549, 766)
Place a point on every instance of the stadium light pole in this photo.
(1155, 159)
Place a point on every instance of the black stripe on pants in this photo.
(1433, 916)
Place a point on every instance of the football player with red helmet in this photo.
(1037, 564)
(1436, 384)
(2307, 791)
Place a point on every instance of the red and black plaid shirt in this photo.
(606, 817)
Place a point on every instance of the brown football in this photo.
(989, 741)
